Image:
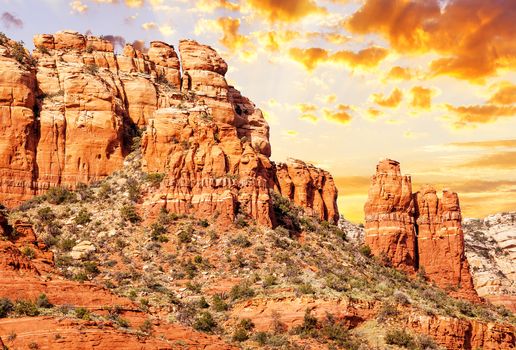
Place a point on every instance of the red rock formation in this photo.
(457, 334)
(441, 241)
(417, 231)
(389, 217)
(309, 187)
(210, 141)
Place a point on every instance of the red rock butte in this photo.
(417, 231)
(70, 113)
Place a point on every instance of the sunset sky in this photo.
(344, 83)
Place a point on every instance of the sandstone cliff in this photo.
(71, 113)
(417, 231)
(491, 251)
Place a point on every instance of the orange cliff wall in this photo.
(69, 114)
(417, 231)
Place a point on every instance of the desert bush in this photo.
(6, 306)
(66, 244)
(146, 326)
(387, 311)
(45, 214)
(155, 179)
(133, 189)
(205, 322)
(241, 241)
(60, 195)
(241, 291)
(43, 302)
(83, 217)
(269, 281)
(399, 337)
(158, 232)
(218, 303)
(287, 214)
(92, 69)
(25, 308)
(82, 313)
(128, 213)
(28, 252)
(365, 250)
(401, 298)
(305, 288)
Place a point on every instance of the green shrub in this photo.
(205, 322)
(202, 303)
(185, 235)
(82, 313)
(66, 244)
(28, 252)
(128, 213)
(218, 303)
(83, 217)
(269, 281)
(155, 179)
(240, 335)
(203, 223)
(241, 241)
(286, 213)
(6, 306)
(305, 288)
(60, 195)
(43, 302)
(80, 277)
(241, 291)
(365, 250)
(91, 267)
(399, 337)
(25, 308)
(92, 69)
(146, 326)
(46, 214)
(133, 190)
(158, 232)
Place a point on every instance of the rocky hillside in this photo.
(143, 212)
(491, 251)
(91, 268)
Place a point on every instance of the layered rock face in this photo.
(417, 231)
(491, 251)
(309, 187)
(70, 112)
(389, 216)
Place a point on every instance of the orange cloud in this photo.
(331, 37)
(505, 95)
(341, 115)
(391, 102)
(374, 113)
(501, 160)
(485, 144)
(399, 73)
(78, 7)
(306, 107)
(475, 38)
(286, 10)
(231, 38)
(212, 5)
(309, 117)
(309, 58)
(421, 97)
(480, 114)
(366, 58)
(274, 40)
(134, 3)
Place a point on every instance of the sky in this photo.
(345, 83)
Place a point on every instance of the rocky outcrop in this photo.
(491, 252)
(389, 217)
(458, 334)
(71, 111)
(417, 232)
(308, 187)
